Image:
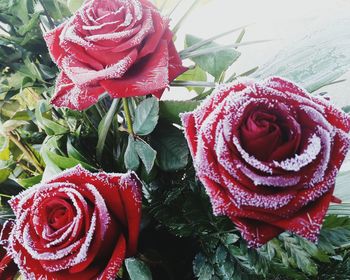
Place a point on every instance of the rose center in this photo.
(262, 133)
(59, 214)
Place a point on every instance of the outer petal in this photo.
(52, 39)
(255, 232)
(175, 63)
(189, 125)
(116, 261)
(8, 269)
(68, 95)
(308, 222)
(130, 192)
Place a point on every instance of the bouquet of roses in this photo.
(102, 179)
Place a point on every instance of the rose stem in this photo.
(128, 116)
(5, 195)
(26, 151)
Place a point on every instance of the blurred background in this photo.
(285, 23)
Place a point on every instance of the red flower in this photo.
(78, 225)
(123, 47)
(268, 154)
(8, 269)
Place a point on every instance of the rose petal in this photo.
(52, 39)
(71, 96)
(116, 260)
(146, 77)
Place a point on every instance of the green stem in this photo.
(103, 131)
(26, 151)
(5, 195)
(128, 116)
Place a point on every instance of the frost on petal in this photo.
(189, 125)
(81, 75)
(284, 85)
(68, 95)
(213, 100)
(336, 117)
(8, 269)
(243, 187)
(306, 157)
(52, 39)
(308, 222)
(130, 192)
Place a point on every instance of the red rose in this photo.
(268, 154)
(123, 47)
(8, 269)
(78, 225)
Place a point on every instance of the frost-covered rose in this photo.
(123, 47)
(78, 225)
(268, 154)
(8, 269)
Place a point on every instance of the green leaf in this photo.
(202, 268)
(50, 127)
(220, 255)
(33, 23)
(74, 153)
(146, 153)
(170, 110)
(51, 169)
(10, 125)
(131, 158)
(171, 147)
(57, 9)
(335, 233)
(4, 148)
(146, 116)
(21, 8)
(103, 128)
(74, 5)
(215, 63)
(137, 269)
(195, 74)
(10, 187)
(298, 256)
(31, 181)
(64, 162)
(4, 173)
